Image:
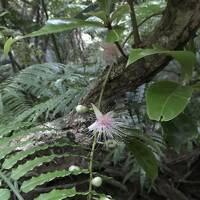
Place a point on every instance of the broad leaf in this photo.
(144, 157)
(187, 59)
(4, 194)
(166, 100)
(179, 131)
(54, 26)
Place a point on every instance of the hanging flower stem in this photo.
(96, 135)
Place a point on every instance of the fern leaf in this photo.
(58, 194)
(23, 169)
(5, 194)
(5, 150)
(32, 183)
(12, 160)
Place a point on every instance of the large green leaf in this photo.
(54, 26)
(179, 131)
(57, 25)
(4, 194)
(166, 100)
(144, 157)
(58, 194)
(187, 59)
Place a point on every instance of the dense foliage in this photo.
(52, 54)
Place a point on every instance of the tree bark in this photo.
(179, 23)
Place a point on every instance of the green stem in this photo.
(96, 136)
(11, 186)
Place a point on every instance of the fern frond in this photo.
(5, 194)
(23, 169)
(42, 90)
(58, 194)
(14, 158)
(32, 183)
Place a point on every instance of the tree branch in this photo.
(178, 24)
(140, 24)
(136, 34)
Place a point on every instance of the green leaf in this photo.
(32, 183)
(166, 100)
(54, 26)
(99, 14)
(8, 45)
(7, 149)
(58, 194)
(5, 194)
(23, 169)
(12, 160)
(105, 5)
(119, 12)
(179, 131)
(4, 13)
(57, 25)
(187, 59)
(144, 157)
(114, 35)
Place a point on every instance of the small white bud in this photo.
(74, 168)
(111, 144)
(18, 37)
(97, 181)
(81, 109)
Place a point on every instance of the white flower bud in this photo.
(18, 37)
(97, 181)
(74, 168)
(81, 109)
(111, 144)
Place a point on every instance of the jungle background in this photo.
(55, 55)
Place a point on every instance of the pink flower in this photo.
(105, 125)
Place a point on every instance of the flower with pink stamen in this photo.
(105, 125)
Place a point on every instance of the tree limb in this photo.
(178, 24)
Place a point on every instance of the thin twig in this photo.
(140, 24)
(53, 38)
(121, 50)
(136, 34)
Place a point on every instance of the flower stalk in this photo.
(96, 135)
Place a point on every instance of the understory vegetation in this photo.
(99, 99)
